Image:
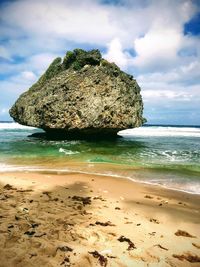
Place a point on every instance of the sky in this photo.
(157, 41)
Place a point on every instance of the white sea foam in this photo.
(161, 131)
(14, 126)
(68, 152)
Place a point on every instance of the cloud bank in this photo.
(145, 38)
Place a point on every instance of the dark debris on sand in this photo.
(66, 262)
(154, 220)
(29, 233)
(188, 257)
(64, 249)
(196, 245)
(84, 200)
(184, 233)
(158, 245)
(148, 196)
(103, 261)
(9, 187)
(130, 243)
(108, 223)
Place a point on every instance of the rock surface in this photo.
(82, 95)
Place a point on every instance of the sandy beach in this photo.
(88, 220)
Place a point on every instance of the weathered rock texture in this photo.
(80, 96)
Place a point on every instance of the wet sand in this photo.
(89, 220)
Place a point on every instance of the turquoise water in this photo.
(168, 156)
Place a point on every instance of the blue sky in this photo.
(156, 41)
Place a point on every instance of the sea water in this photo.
(163, 155)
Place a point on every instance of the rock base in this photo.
(86, 134)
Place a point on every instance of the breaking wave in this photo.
(14, 126)
(161, 131)
(68, 152)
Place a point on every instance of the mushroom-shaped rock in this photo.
(83, 95)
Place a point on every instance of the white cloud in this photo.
(183, 74)
(88, 21)
(24, 77)
(192, 70)
(40, 62)
(116, 54)
(158, 47)
(155, 95)
(34, 65)
(50, 25)
(12, 89)
(82, 21)
(28, 75)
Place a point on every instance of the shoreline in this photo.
(58, 171)
(43, 213)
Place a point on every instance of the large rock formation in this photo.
(82, 95)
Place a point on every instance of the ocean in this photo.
(166, 156)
